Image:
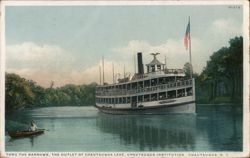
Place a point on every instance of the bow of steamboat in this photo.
(158, 91)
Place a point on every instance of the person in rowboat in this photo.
(33, 126)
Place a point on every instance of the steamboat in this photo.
(158, 91)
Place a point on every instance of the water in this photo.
(214, 128)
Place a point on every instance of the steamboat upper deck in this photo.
(159, 83)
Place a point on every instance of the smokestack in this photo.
(140, 63)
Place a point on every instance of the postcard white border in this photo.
(246, 119)
(2, 79)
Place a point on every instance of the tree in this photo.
(224, 70)
(21, 93)
(187, 69)
(18, 92)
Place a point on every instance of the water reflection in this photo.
(151, 132)
(214, 128)
(222, 125)
(32, 140)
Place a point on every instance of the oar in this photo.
(43, 129)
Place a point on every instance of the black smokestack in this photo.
(140, 63)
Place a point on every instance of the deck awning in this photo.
(155, 62)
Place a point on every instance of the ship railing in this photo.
(117, 92)
(174, 71)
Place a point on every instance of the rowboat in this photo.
(18, 134)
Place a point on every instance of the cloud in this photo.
(29, 51)
(215, 36)
(173, 49)
(47, 63)
(220, 31)
(29, 54)
(92, 74)
(41, 63)
(226, 26)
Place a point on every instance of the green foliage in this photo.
(187, 69)
(18, 92)
(223, 75)
(22, 93)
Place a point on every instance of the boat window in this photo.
(153, 97)
(180, 92)
(153, 82)
(123, 100)
(160, 80)
(171, 94)
(128, 86)
(158, 67)
(134, 85)
(189, 91)
(147, 83)
(153, 68)
(128, 99)
(162, 95)
(140, 84)
(146, 98)
(140, 98)
(178, 83)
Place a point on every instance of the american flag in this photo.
(187, 36)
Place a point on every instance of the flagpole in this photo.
(190, 57)
(103, 80)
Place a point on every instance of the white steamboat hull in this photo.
(176, 105)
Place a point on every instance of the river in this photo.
(69, 128)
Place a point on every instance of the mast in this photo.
(100, 73)
(124, 71)
(134, 63)
(165, 62)
(103, 80)
(113, 73)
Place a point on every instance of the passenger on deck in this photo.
(33, 126)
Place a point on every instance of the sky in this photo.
(65, 44)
